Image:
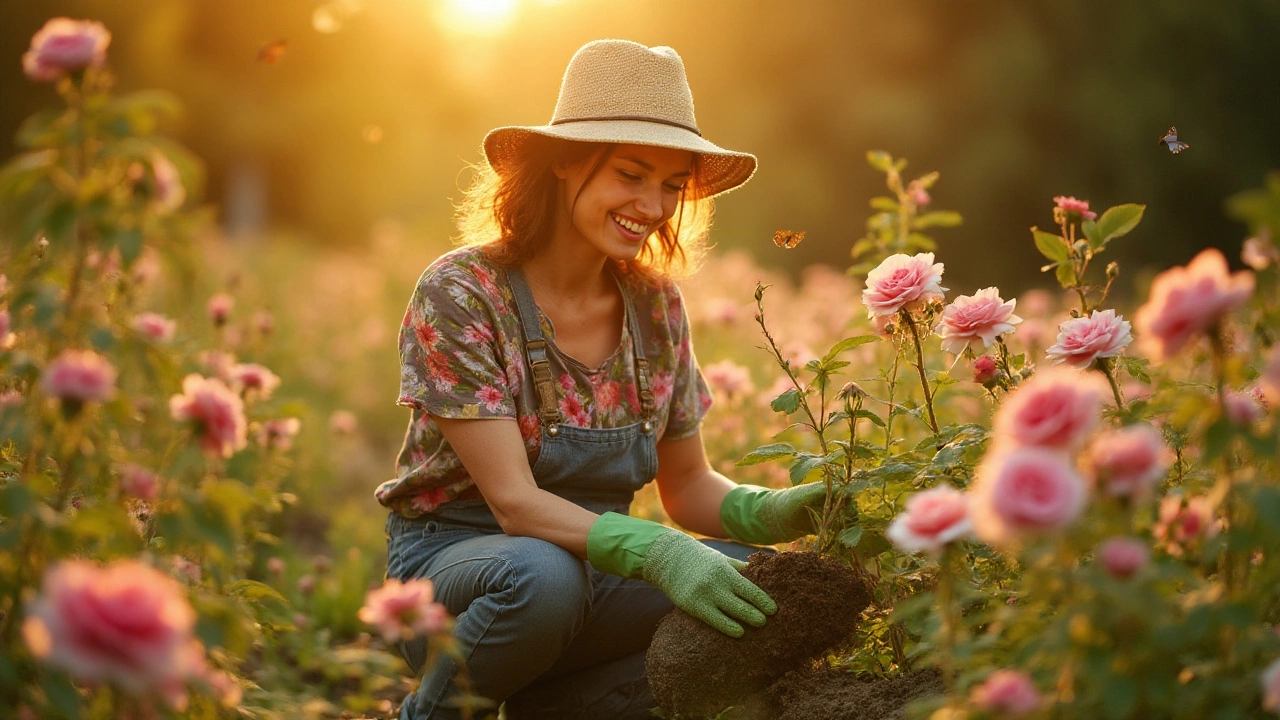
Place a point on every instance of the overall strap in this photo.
(535, 349)
(647, 403)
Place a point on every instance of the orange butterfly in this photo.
(788, 238)
(271, 53)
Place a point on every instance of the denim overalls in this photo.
(537, 626)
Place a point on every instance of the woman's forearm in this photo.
(694, 502)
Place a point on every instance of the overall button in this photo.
(646, 427)
(554, 430)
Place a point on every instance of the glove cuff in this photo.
(748, 515)
(618, 544)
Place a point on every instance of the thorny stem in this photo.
(924, 381)
(892, 384)
(1108, 368)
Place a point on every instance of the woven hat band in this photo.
(641, 118)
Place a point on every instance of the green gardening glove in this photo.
(760, 516)
(699, 580)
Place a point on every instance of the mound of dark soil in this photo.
(827, 693)
(695, 671)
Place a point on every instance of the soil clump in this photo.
(828, 693)
(695, 671)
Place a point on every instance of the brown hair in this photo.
(511, 214)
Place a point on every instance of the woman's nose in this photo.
(649, 203)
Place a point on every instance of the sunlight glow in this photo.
(476, 17)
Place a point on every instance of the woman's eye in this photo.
(674, 188)
(628, 176)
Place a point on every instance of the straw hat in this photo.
(617, 91)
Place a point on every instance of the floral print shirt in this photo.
(462, 356)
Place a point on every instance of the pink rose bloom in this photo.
(251, 378)
(1258, 252)
(728, 379)
(343, 422)
(902, 281)
(307, 584)
(1243, 409)
(1269, 381)
(154, 326)
(217, 362)
(984, 369)
(1187, 301)
(63, 46)
(79, 376)
(1083, 340)
(126, 623)
(278, 433)
(1271, 687)
(169, 192)
(139, 482)
(932, 519)
(1056, 408)
(918, 194)
(220, 306)
(1123, 557)
(1009, 693)
(403, 610)
(275, 566)
(216, 411)
(1036, 303)
(1025, 491)
(1070, 205)
(975, 320)
(885, 325)
(1129, 462)
(1181, 522)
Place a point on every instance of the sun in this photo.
(477, 17)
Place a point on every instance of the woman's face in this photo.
(634, 191)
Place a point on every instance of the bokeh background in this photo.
(331, 171)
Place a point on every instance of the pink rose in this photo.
(79, 376)
(217, 413)
(1258, 252)
(984, 370)
(1271, 687)
(217, 362)
(918, 194)
(1123, 557)
(1181, 522)
(975, 320)
(125, 623)
(1037, 303)
(403, 610)
(1129, 462)
(154, 326)
(1083, 340)
(307, 584)
(1025, 491)
(1056, 408)
(64, 46)
(1072, 206)
(219, 308)
(932, 519)
(728, 379)
(1187, 301)
(275, 566)
(254, 379)
(1242, 409)
(1009, 693)
(1269, 381)
(278, 433)
(902, 281)
(169, 193)
(139, 482)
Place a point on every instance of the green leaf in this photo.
(847, 344)
(767, 453)
(1119, 221)
(851, 535)
(937, 218)
(1120, 697)
(1092, 234)
(874, 418)
(254, 591)
(1066, 274)
(884, 204)
(924, 243)
(788, 402)
(62, 695)
(880, 160)
(1050, 245)
(1136, 367)
(805, 465)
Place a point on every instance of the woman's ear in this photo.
(560, 168)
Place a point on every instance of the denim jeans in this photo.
(539, 628)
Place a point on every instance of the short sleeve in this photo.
(451, 364)
(690, 397)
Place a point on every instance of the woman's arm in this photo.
(495, 457)
(691, 491)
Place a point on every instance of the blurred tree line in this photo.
(374, 108)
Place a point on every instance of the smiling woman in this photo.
(475, 16)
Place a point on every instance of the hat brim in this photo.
(719, 170)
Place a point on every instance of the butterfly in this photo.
(1171, 139)
(787, 238)
(271, 53)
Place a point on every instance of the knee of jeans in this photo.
(551, 580)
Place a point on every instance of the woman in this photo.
(549, 368)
